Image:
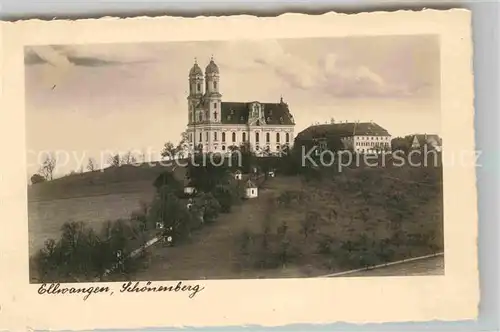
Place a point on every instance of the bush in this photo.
(81, 254)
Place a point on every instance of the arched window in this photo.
(277, 137)
(198, 87)
(201, 138)
(287, 137)
(201, 117)
(244, 137)
(234, 137)
(257, 137)
(268, 137)
(223, 137)
(215, 135)
(206, 136)
(215, 85)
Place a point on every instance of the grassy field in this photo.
(362, 205)
(93, 197)
(368, 204)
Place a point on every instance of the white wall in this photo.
(216, 145)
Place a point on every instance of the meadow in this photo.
(303, 228)
(298, 226)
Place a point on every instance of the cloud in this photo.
(331, 74)
(58, 56)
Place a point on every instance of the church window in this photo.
(244, 137)
(287, 137)
(223, 148)
(268, 137)
(198, 87)
(215, 136)
(206, 136)
(215, 116)
(277, 137)
(215, 105)
(234, 137)
(257, 137)
(215, 85)
(190, 137)
(201, 138)
(223, 137)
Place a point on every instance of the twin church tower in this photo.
(216, 126)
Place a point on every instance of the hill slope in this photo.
(112, 180)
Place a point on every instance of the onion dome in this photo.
(195, 70)
(212, 68)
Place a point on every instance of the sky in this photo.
(86, 101)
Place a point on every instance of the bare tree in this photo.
(48, 167)
(128, 159)
(115, 160)
(91, 165)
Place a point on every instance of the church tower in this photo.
(195, 94)
(212, 94)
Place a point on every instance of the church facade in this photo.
(219, 126)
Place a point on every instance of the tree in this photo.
(248, 158)
(48, 167)
(167, 179)
(211, 207)
(308, 225)
(91, 165)
(206, 176)
(115, 160)
(401, 144)
(181, 147)
(37, 178)
(169, 151)
(128, 159)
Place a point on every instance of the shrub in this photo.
(81, 254)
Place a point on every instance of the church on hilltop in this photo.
(219, 126)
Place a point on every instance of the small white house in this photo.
(237, 175)
(189, 188)
(251, 190)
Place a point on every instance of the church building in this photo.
(219, 126)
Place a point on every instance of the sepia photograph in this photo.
(323, 171)
(282, 158)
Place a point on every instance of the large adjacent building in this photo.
(218, 126)
(360, 137)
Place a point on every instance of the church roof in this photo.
(250, 184)
(343, 129)
(195, 70)
(212, 68)
(237, 113)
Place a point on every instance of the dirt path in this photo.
(211, 252)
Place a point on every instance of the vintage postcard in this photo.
(224, 171)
